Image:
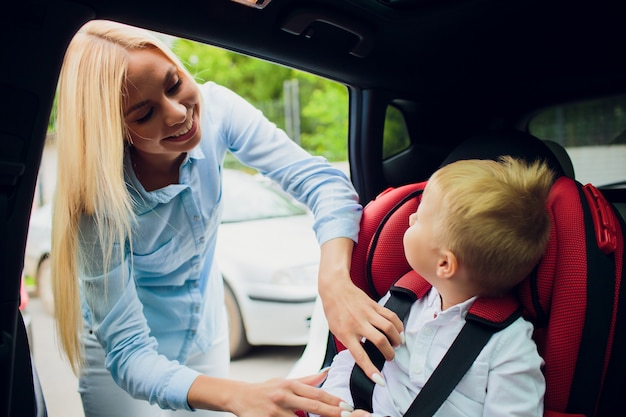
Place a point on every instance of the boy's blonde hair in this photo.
(91, 137)
(494, 218)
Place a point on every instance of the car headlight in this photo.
(301, 275)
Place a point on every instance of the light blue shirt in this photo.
(166, 298)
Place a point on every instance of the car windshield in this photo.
(246, 198)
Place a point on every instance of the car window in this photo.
(593, 133)
(246, 198)
(395, 135)
(312, 110)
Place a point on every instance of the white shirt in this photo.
(504, 380)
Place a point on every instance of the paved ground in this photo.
(59, 383)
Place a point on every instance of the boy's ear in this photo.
(447, 265)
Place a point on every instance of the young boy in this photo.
(480, 228)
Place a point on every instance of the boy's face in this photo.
(420, 239)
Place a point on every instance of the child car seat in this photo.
(573, 298)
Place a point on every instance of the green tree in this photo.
(323, 103)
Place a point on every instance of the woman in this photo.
(137, 207)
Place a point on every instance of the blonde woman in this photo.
(138, 299)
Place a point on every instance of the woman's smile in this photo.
(187, 132)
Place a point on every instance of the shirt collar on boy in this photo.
(433, 303)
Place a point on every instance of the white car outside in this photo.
(266, 251)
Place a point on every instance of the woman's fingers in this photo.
(356, 413)
(315, 400)
(352, 316)
(281, 397)
(315, 379)
(360, 317)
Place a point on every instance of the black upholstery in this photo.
(495, 143)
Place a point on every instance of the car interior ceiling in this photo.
(454, 68)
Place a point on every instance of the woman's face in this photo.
(161, 106)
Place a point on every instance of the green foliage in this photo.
(323, 103)
(325, 118)
(52, 122)
(253, 79)
(395, 136)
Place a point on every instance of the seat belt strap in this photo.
(362, 387)
(470, 341)
(454, 365)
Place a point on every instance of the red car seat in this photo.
(574, 297)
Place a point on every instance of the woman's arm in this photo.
(330, 195)
(274, 398)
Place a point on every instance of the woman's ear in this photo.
(447, 264)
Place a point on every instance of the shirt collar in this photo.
(195, 153)
(145, 201)
(458, 310)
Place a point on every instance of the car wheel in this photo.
(44, 285)
(237, 333)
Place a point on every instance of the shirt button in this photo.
(196, 309)
(201, 239)
(428, 331)
(193, 331)
(417, 369)
(196, 284)
(196, 218)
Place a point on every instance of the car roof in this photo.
(457, 66)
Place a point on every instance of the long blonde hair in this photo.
(494, 217)
(90, 179)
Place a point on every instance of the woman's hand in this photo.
(352, 314)
(356, 413)
(273, 398)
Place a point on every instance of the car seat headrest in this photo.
(496, 143)
(564, 159)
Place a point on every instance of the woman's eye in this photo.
(175, 87)
(145, 118)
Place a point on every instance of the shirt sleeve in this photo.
(312, 180)
(516, 384)
(121, 328)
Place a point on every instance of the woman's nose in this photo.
(176, 113)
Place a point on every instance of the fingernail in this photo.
(345, 413)
(402, 338)
(378, 379)
(346, 406)
(321, 371)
